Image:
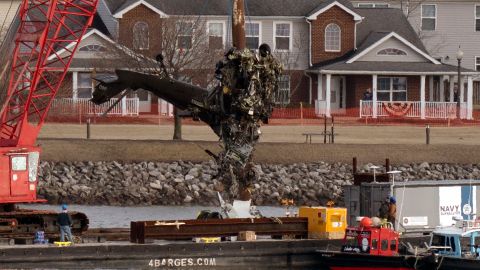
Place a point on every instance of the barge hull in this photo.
(284, 254)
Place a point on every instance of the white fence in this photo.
(412, 109)
(126, 107)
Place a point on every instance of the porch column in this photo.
(75, 85)
(442, 88)
(470, 98)
(319, 86)
(422, 97)
(452, 87)
(430, 88)
(327, 95)
(462, 89)
(124, 105)
(374, 96)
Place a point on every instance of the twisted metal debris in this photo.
(248, 83)
(234, 109)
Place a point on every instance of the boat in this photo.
(455, 247)
(370, 245)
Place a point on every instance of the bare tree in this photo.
(190, 50)
(290, 59)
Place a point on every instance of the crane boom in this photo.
(41, 29)
(37, 70)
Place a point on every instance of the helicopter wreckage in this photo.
(235, 109)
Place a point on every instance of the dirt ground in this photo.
(280, 144)
(290, 134)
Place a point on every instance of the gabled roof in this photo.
(92, 31)
(382, 21)
(270, 8)
(345, 5)
(366, 49)
(131, 4)
(100, 25)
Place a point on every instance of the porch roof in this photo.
(97, 63)
(401, 68)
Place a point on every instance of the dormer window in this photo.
(332, 38)
(391, 51)
(140, 36)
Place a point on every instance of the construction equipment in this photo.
(325, 222)
(32, 70)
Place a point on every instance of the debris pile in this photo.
(248, 83)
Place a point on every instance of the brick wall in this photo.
(347, 25)
(299, 86)
(356, 86)
(141, 13)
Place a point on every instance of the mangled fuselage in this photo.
(234, 109)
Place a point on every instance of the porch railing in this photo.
(433, 110)
(65, 106)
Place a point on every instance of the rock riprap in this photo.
(183, 183)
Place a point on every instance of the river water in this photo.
(120, 217)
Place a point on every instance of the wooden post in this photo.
(333, 130)
(387, 165)
(88, 128)
(354, 165)
(325, 130)
(238, 25)
(427, 133)
(301, 112)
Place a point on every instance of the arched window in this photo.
(140, 36)
(332, 38)
(391, 51)
(93, 48)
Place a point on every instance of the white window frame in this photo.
(280, 91)
(177, 48)
(259, 31)
(378, 52)
(88, 48)
(290, 41)
(476, 63)
(77, 81)
(339, 38)
(148, 36)
(374, 5)
(224, 31)
(477, 17)
(421, 16)
(391, 91)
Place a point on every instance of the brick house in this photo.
(443, 26)
(333, 53)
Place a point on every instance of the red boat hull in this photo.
(356, 261)
(367, 268)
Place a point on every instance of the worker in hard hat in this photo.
(65, 222)
(392, 210)
(384, 208)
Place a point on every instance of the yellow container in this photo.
(325, 222)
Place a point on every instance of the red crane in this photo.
(41, 29)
